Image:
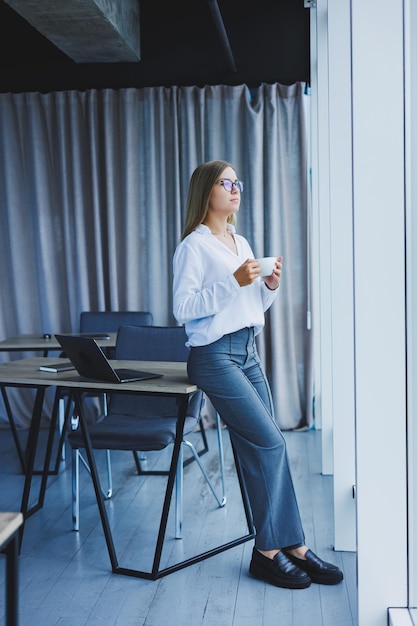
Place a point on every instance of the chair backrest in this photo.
(151, 343)
(110, 321)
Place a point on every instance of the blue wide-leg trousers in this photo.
(229, 372)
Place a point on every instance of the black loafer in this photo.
(318, 570)
(279, 571)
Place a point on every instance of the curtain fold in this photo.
(92, 195)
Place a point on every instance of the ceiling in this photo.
(180, 45)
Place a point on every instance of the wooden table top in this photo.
(23, 343)
(25, 372)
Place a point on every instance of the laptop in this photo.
(90, 361)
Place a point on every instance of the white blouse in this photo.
(207, 297)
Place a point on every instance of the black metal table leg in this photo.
(31, 454)
(156, 572)
(96, 483)
(10, 524)
(13, 428)
(12, 583)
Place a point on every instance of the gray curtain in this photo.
(92, 195)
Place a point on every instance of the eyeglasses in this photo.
(229, 184)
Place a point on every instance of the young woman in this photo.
(221, 298)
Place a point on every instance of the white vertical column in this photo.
(332, 245)
(321, 229)
(411, 229)
(379, 290)
(315, 223)
(341, 248)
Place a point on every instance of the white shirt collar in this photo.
(205, 230)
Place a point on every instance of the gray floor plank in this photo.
(65, 577)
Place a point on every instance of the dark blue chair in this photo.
(110, 322)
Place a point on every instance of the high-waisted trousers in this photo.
(229, 372)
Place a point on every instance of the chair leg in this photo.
(137, 461)
(67, 419)
(74, 425)
(109, 476)
(76, 458)
(220, 501)
(108, 461)
(75, 490)
(139, 457)
(221, 455)
(61, 424)
(179, 496)
(63, 412)
(205, 447)
(106, 494)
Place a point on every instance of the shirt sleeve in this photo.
(268, 295)
(192, 299)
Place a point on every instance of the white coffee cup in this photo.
(267, 264)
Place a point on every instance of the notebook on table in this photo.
(90, 361)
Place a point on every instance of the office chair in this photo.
(110, 322)
(94, 322)
(149, 423)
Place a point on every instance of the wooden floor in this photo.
(66, 580)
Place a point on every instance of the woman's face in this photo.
(223, 202)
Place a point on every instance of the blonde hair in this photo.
(199, 190)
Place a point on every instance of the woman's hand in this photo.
(247, 273)
(273, 281)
